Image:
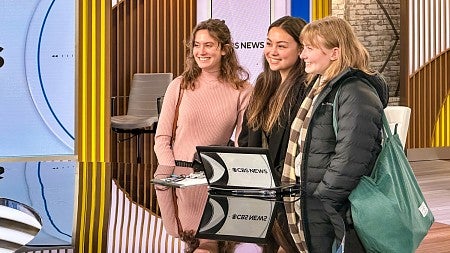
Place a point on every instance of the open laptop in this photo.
(243, 195)
(240, 171)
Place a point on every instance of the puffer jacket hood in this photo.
(376, 80)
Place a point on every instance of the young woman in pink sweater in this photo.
(214, 96)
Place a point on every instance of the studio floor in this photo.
(434, 180)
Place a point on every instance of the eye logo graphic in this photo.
(2, 61)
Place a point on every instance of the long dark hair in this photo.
(269, 94)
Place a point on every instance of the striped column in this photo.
(92, 124)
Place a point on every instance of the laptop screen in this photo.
(236, 167)
(240, 219)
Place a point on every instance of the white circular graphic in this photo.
(50, 66)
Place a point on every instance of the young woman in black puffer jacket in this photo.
(329, 167)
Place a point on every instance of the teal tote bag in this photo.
(388, 209)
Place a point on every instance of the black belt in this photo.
(184, 164)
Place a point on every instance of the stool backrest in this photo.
(145, 89)
(400, 116)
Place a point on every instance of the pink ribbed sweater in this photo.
(208, 115)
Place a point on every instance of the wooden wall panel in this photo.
(426, 72)
(428, 96)
(147, 36)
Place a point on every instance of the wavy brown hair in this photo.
(230, 69)
(269, 94)
(331, 32)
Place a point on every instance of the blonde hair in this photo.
(331, 32)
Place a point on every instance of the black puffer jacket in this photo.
(333, 165)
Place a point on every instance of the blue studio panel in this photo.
(302, 9)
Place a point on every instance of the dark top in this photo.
(278, 139)
(277, 142)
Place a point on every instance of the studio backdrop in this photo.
(37, 77)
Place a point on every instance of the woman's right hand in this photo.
(163, 171)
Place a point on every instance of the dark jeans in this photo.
(353, 244)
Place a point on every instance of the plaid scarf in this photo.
(300, 124)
